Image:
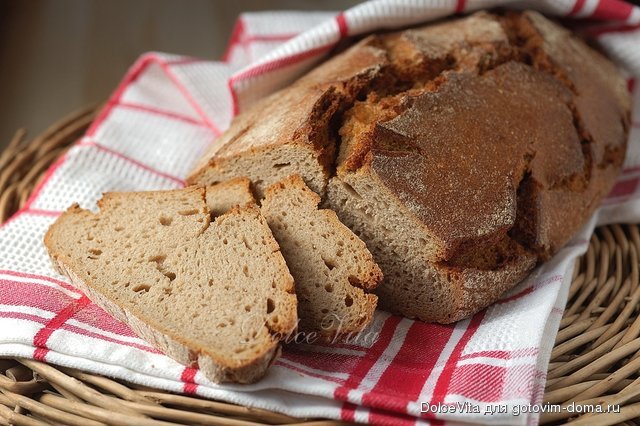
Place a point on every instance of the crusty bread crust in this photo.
(465, 152)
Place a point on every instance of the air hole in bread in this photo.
(247, 308)
(271, 305)
(354, 281)
(246, 243)
(351, 190)
(94, 254)
(158, 259)
(281, 165)
(117, 229)
(348, 301)
(245, 270)
(188, 212)
(330, 264)
(329, 287)
(165, 221)
(141, 288)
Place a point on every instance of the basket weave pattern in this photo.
(596, 358)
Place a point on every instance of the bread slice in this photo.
(331, 266)
(233, 193)
(463, 153)
(212, 295)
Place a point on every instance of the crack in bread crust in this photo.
(401, 116)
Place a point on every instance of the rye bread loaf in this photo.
(462, 153)
(214, 295)
(331, 266)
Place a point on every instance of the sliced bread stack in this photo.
(198, 273)
(215, 295)
(331, 266)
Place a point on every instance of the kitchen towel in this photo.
(162, 117)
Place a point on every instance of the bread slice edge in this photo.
(169, 343)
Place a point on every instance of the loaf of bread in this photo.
(211, 294)
(462, 153)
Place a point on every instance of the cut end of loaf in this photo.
(211, 294)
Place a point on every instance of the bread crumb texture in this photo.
(214, 294)
(331, 266)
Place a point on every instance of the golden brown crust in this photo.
(490, 131)
(299, 115)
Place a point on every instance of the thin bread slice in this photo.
(216, 295)
(331, 266)
(223, 196)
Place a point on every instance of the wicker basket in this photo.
(596, 359)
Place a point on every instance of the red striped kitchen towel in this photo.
(161, 118)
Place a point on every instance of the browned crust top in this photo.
(490, 130)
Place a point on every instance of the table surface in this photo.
(59, 55)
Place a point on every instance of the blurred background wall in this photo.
(59, 55)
